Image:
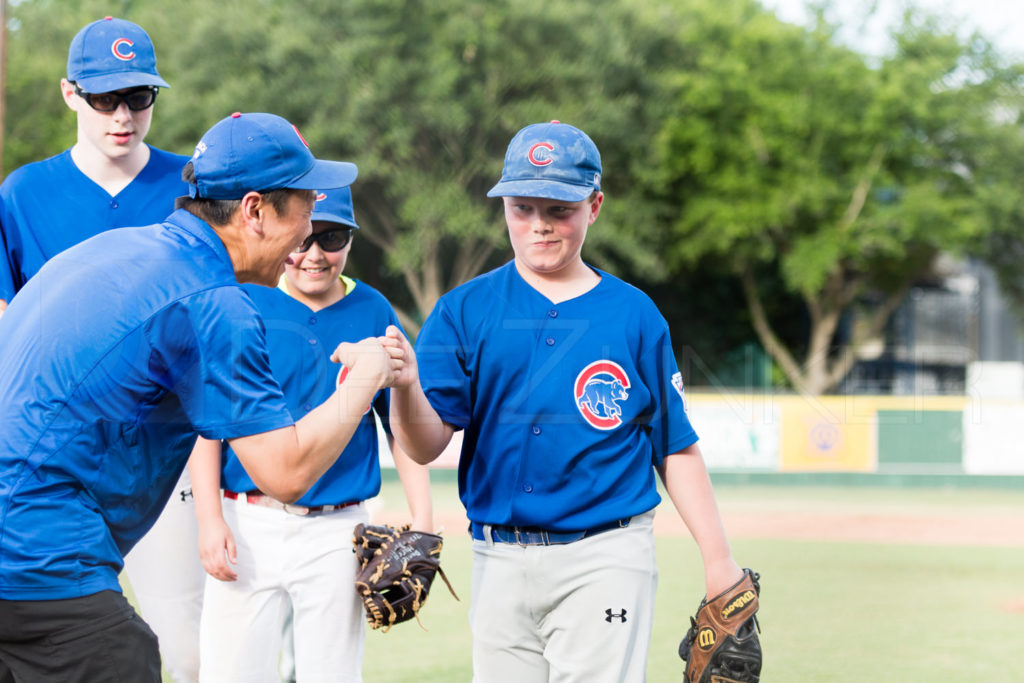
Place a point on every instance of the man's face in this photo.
(114, 134)
(282, 234)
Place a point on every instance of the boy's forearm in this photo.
(204, 472)
(689, 486)
(419, 430)
(416, 484)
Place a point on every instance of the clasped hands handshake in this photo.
(387, 361)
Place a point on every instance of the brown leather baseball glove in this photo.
(722, 645)
(396, 568)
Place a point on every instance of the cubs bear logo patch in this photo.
(599, 390)
(677, 382)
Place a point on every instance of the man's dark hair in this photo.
(219, 211)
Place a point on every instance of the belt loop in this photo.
(487, 536)
(623, 523)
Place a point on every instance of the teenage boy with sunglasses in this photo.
(108, 179)
(261, 554)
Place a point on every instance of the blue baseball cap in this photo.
(335, 206)
(111, 54)
(260, 152)
(552, 161)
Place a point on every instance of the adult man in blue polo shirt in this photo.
(110, 178)
(116, 354)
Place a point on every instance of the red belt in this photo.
(257, 498)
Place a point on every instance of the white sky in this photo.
(1001, 21)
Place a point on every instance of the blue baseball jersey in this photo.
(114, 355)
(566, 407)
(301, 341)
(50, 205)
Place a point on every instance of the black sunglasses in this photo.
(136, 99)
(329, 240)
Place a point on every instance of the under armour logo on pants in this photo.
(621, 616)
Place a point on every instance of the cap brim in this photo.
(332, 218)
(542, 189)
(326, 175)
(120, 81)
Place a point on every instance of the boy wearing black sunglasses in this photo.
(109, 179)
(261, 560)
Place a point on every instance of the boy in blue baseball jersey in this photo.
(564, 381)
(263, 556)
(116, 354)
(111, 178)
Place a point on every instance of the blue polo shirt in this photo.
(50, 205)
(114, 355)
(566, 407)
(300, 342)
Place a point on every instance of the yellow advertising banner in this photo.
(828, 434)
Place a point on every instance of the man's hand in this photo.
(367, 361)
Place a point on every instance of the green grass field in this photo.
(830, 611)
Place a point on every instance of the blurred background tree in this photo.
(762, 180)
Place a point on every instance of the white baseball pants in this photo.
(581, 612)
(167, 578)
(282, 556)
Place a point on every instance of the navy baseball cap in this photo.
(335, 206)
(260, 152)
(552, 161)
(111, 54)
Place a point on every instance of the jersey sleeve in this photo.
(670, 426)
(211, 351)
(441, 358)
(8, 286)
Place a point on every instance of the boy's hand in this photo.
(401, 352)
(217, 550)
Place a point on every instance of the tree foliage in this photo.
(733, 144)
(789, 156)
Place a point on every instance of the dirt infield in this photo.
(884, 528)
(888, 517)
(900, 529)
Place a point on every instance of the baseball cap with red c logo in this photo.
(111, 54)
(552, 161)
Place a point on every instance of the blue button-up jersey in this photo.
(301, 341)
(50, 205)
(566, 407)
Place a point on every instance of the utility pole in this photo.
(3, 77)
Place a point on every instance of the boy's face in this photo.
(114, 134)
(547, 235)
(313, 274)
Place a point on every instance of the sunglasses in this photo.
(137, 99)
(329, 240)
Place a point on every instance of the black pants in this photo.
(94, 639)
